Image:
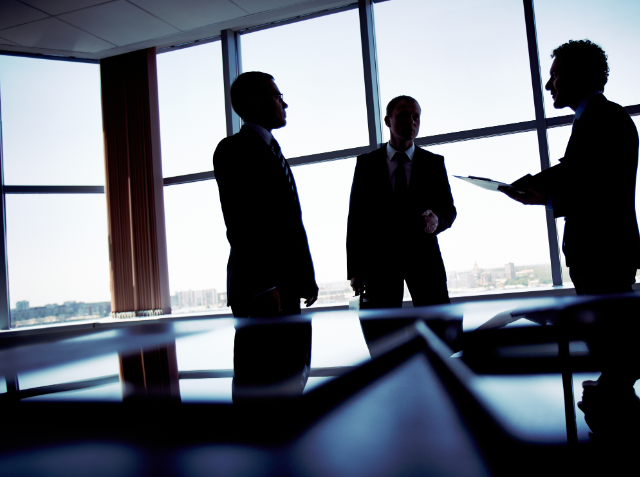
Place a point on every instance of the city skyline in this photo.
(211, 297)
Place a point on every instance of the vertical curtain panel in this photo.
(137, 239)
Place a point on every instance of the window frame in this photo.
(232, 67)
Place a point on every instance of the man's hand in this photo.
(432, 221)
(531, 196)
(267, 304)
(357, 284)
(310, 300)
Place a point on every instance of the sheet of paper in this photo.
(487, 184)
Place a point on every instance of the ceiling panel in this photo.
(257, 6)
(51, 33)
(119, 22)
(62, 6)
(14, 13)
(6, 42)
(189, 14)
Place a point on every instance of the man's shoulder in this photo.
(601, 107)
(240, 142)
(427, 154)
(373, 156)
(381, 151)
(424, 155)
(606, 115)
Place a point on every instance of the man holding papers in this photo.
(593, 187)
(400, 202)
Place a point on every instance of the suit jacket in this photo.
(594, 186)
(375, 237)
(268, 241)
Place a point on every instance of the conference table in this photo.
(464, 389)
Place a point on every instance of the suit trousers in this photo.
(426, 288)
(289, 301)
(613, 342)
(594, 280)
(388, 292)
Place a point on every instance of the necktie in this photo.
(275, 147)
(401, 187)
(401, 195)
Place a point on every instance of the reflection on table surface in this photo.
(239, 362)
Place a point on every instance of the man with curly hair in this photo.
(593, 187)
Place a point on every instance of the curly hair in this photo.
(587, 59)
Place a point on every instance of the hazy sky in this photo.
(465, 61)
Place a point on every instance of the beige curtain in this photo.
(137, 241)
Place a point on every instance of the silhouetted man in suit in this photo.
(270, 266)
(593, 187)
(400, 202)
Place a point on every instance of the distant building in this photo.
(466, 280)
(22, 305)
(53, 313)
(335, 292)
(476, 271)
(210, 297)
(526, 273)
(510, 271)
(192, 299)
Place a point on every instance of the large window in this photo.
(51, 122)
(57, 244)
(464, 61)
(324, 191)
(491, 231)
(197, 247)
(613, 25)
(320, 75)
(58, 258)
(192, 118)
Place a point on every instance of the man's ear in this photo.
(387, 122)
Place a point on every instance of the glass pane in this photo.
(192, 117)
(558, 139)
(317, 64)
(465, 62)
(197, 247)
(58, 258)
(492, 231)
(91, 368)
(51, 122)
(613, 25)
(324, 191)
(566, 279)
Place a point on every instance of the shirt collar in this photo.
(583, 104)
(264, 134)
(409, 152)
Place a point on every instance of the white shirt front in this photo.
(393, 165)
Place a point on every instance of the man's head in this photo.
(257, 99)
(403, 120)
(579, 68)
